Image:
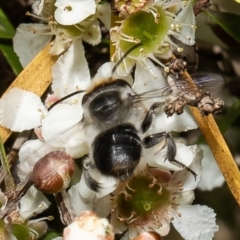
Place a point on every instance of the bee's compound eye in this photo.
(117, 151)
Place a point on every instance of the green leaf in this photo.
(13, 60)
(8, 179)
(228, 21)
(231, 116)
(6, 29)
(51, 236)
(6, 34)
(21, 232)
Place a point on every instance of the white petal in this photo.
(104, 14)
(70, 72)
(33, 202)
(93, 34)
(175, 123)
(196, 222)
(101, 206)
(21, 110)
(182, 198)
(184, 155)
(211, 176)
(187, 16)
(165, 227)
(107, 184)
(184, 176)
(62, 118)
(73, 141)
(61, 43)
(27, 44)
(38, 6)
(105, 72)
(78, 202)
(73, 11)
(30, 152)
(145, 80)
(118, 226)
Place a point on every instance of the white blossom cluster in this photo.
(66, 23)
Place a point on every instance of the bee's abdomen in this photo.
(117, 151)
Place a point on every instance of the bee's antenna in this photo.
(123, 57)
(66, 97)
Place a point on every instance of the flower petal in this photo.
(184, 155)
(186, 177)
(33, 203)
(211, 176)
(187, 16)
(93, 34)
(107, 184)
(104, 14)
(27, 43)
(21, 110)
(195, 223)
(101, 206)
(71, 12)
(175, 123)
(37, 6)
(70, 72)
(182, 198)
(105, 72)
(60, 119)
(73, 141)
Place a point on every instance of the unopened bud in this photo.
(53, 172)
(89, 226)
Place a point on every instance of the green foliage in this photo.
(228, 21)
(51, 236)
(21, 232)
(6, 34)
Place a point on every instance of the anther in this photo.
(180, 49)
(166, 69)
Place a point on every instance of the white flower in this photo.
(60, 128)
(153, 199)
(164, 19)
(71, 22)
(89, 225)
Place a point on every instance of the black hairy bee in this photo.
(115, 119)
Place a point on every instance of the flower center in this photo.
(142, 198)
(148, 28)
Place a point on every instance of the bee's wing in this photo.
(211, 82)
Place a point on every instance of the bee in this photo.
(115, 120)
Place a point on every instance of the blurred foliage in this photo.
(6, 35)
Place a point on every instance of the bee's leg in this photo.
(154, 139)
(149, 116)
(91, 183)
